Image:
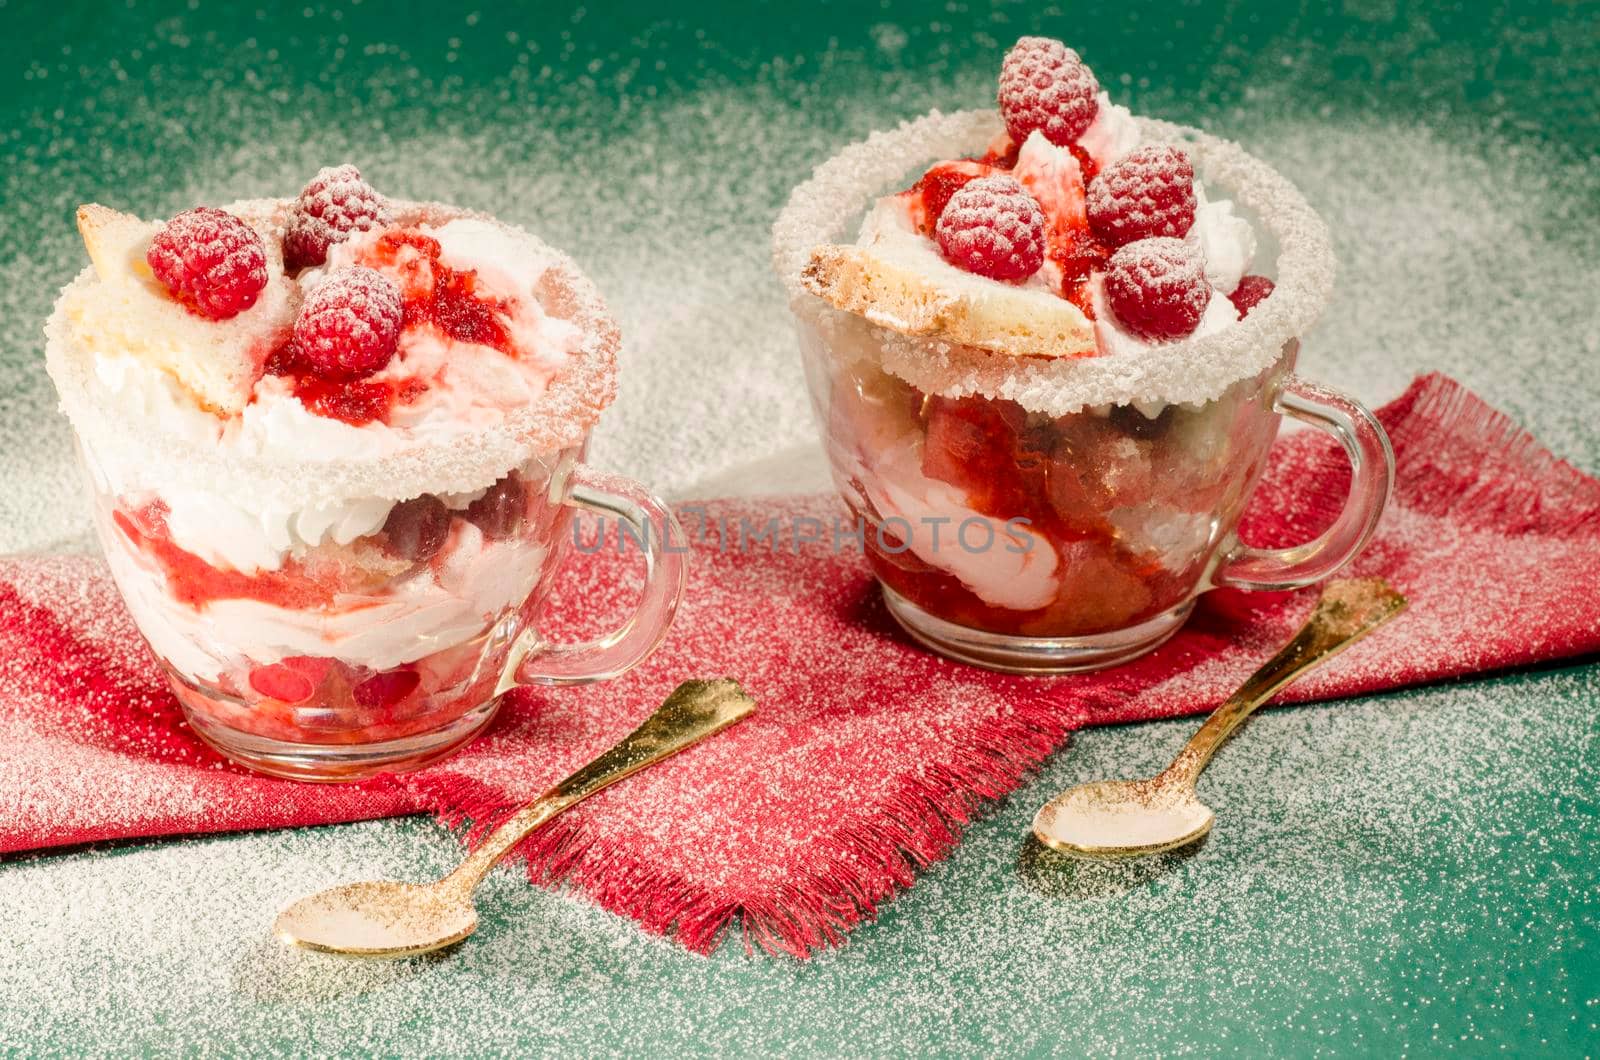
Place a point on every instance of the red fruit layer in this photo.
(437, 294)
(193, 581)
(386, 689)
(338, 703)
(433, 294)
(294, 680)
(1099, 592)
(1008, 468)
(342, 721)
(928, 197)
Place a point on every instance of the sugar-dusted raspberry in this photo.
(349, 324)
(335, 203)
(1045, 86)
(1252, 290)
(1148, 192)
(1157, 288)
(210, 261)
(993, 227)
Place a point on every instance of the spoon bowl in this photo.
(1134, 818)
(378, 918)
(1120, 819)
(385, 918)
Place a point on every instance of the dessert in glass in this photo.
(1049, 368)
(333, 445)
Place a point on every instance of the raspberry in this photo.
(335, 203)
(1148, 192)
(349, 325)
(993, 227)
(1045, 86)
(281, 683)
(385, 689)
(418, 528)
(211, 261)
(1250, 293)
(1157, 288)
(499, 512)
(293, 680)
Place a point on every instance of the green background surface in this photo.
(1401, 874)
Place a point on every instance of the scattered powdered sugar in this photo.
(1413, 839)
(1416, 825)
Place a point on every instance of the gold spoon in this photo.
(1134, 818)
(383, 918)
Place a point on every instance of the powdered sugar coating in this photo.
(993, 227)
(350, 323)
(1045, 86)
(210, 261)
(1157, 287)
(333, 204)
(559, 418)
(1197, 369)
(1148, 192)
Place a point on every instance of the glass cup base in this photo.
(330, 763)
(1034, 655)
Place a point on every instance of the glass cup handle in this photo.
(533, 661)
(1372, 473)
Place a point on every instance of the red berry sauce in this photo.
(436, 294)
(433, 295)
(930, 195)
(1011, 465)
(193, 581)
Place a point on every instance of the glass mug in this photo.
(405, 662)
(1029, 542)
(327, 607)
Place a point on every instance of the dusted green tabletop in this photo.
(1402, 874)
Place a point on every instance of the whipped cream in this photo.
(1224, 239)
(1003, 564)
(1113, 133)
(470, 387)
(475, 581)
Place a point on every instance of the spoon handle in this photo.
(1347, 611)
(694, 710)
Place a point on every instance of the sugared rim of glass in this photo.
(560, 418)
(826, 208)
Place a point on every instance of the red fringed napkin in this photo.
(867, 754)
